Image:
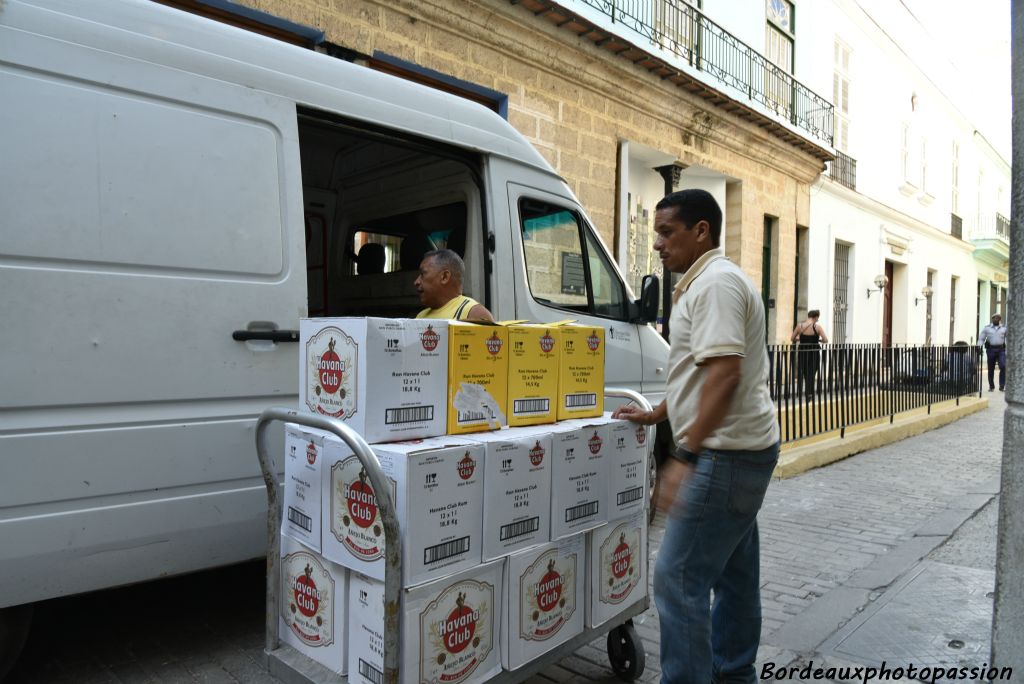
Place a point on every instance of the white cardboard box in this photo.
(303, 458)
(545, 588)
(517, 490)
(438, 489)
(387, 378)
(628, 475)
(617, 568)
(314, 599)
(449, 629)
(579, 478)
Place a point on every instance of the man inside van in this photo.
(439, 286)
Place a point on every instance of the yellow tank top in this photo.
(457, 309)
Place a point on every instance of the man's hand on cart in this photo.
(635, 414)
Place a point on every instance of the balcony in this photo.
(843, 170)
(991, 238)
(1003, 227)
(678, 43)
(956, 226)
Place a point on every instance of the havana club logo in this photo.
(537, 454)
(429, 339)
(547, 595)
(308, 608)
(329, 375)
(331, 369)
(456, 636)
(466, 467)
(549, 589)
(593, 342)
(362, 504)
(618, 574)
(595, 443)
(547, 343)
(458, 629)
(621, 558)
(493, 344)
(355, 512)
(641, 434)
(305, 594)
(311, 452)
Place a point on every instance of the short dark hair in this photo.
(814, 313)
(693, 206)
(448, 260)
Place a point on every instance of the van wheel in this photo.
(15, 622)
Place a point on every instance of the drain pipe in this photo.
(1008, 615)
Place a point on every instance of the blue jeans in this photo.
(711, 543)
(996, 357)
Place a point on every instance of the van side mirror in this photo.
(650, 293)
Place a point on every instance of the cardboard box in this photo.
(477, 377)
(628, 472)
(314, 598)
(383, 376)
(617, 568)
(581, 372)
(579, 478)
(449, 629)
(303, 457)
(533, 366)
(438, 488)
(545, 589)
(517, 490)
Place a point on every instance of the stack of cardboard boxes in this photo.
(520, 503)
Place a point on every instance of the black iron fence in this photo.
(843, 169)
(831, 388)
(685, 31)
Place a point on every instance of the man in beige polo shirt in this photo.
(727, 437)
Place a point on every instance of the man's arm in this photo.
(480, 313)
(721, 378)
(636, 414)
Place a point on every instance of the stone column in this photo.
(1008, 618)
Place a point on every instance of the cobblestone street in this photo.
(833, 541)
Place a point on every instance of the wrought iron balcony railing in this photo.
(685, 32)
(956, 226)
(1003, 227)
(843, 170)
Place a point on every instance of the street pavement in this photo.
(885, 556)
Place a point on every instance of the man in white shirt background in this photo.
(993, 339)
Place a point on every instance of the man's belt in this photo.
(996, 346)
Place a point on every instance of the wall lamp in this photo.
(926, 293)
(880, 282)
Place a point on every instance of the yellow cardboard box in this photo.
(533, 374)
(581, 372)
(477, 377)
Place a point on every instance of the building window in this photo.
(779, 38)
(905, 152)
(840, 291)
(928, 308)
(981, 201)
(954, 286)
(955, 199)
(841, 95)
(924, 165)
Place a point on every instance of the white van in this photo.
(175, 194)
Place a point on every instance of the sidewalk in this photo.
(870, 559)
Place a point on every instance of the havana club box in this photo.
(314, 596)
(617, 569)
(628, 474)
(581, 372)
(382, 376)
(545, 588)
(533, 374)
(303, 457)
(438, 487)
(579, 477)
(449, 629)
(517, 489)
(477, 377)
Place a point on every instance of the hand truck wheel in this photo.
(626, 652)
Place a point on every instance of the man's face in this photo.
(678, 246)
(431, 282)
(996, 319)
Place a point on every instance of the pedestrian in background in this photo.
(727, 437)
(993, 339)
(809, 337)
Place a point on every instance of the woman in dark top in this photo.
(809, 337)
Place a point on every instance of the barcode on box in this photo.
(471, 417)
(523, 407)
(410, 414)
(581, 400)
(370, 673)
(518, 529)
(582, 511)
(434, 554)
(629, 496)
(298, 518)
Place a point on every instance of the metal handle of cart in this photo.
(392, 540)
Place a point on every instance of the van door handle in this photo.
(268, 335)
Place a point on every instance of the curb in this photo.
(799, 458)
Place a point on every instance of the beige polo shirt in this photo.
(717, 312)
